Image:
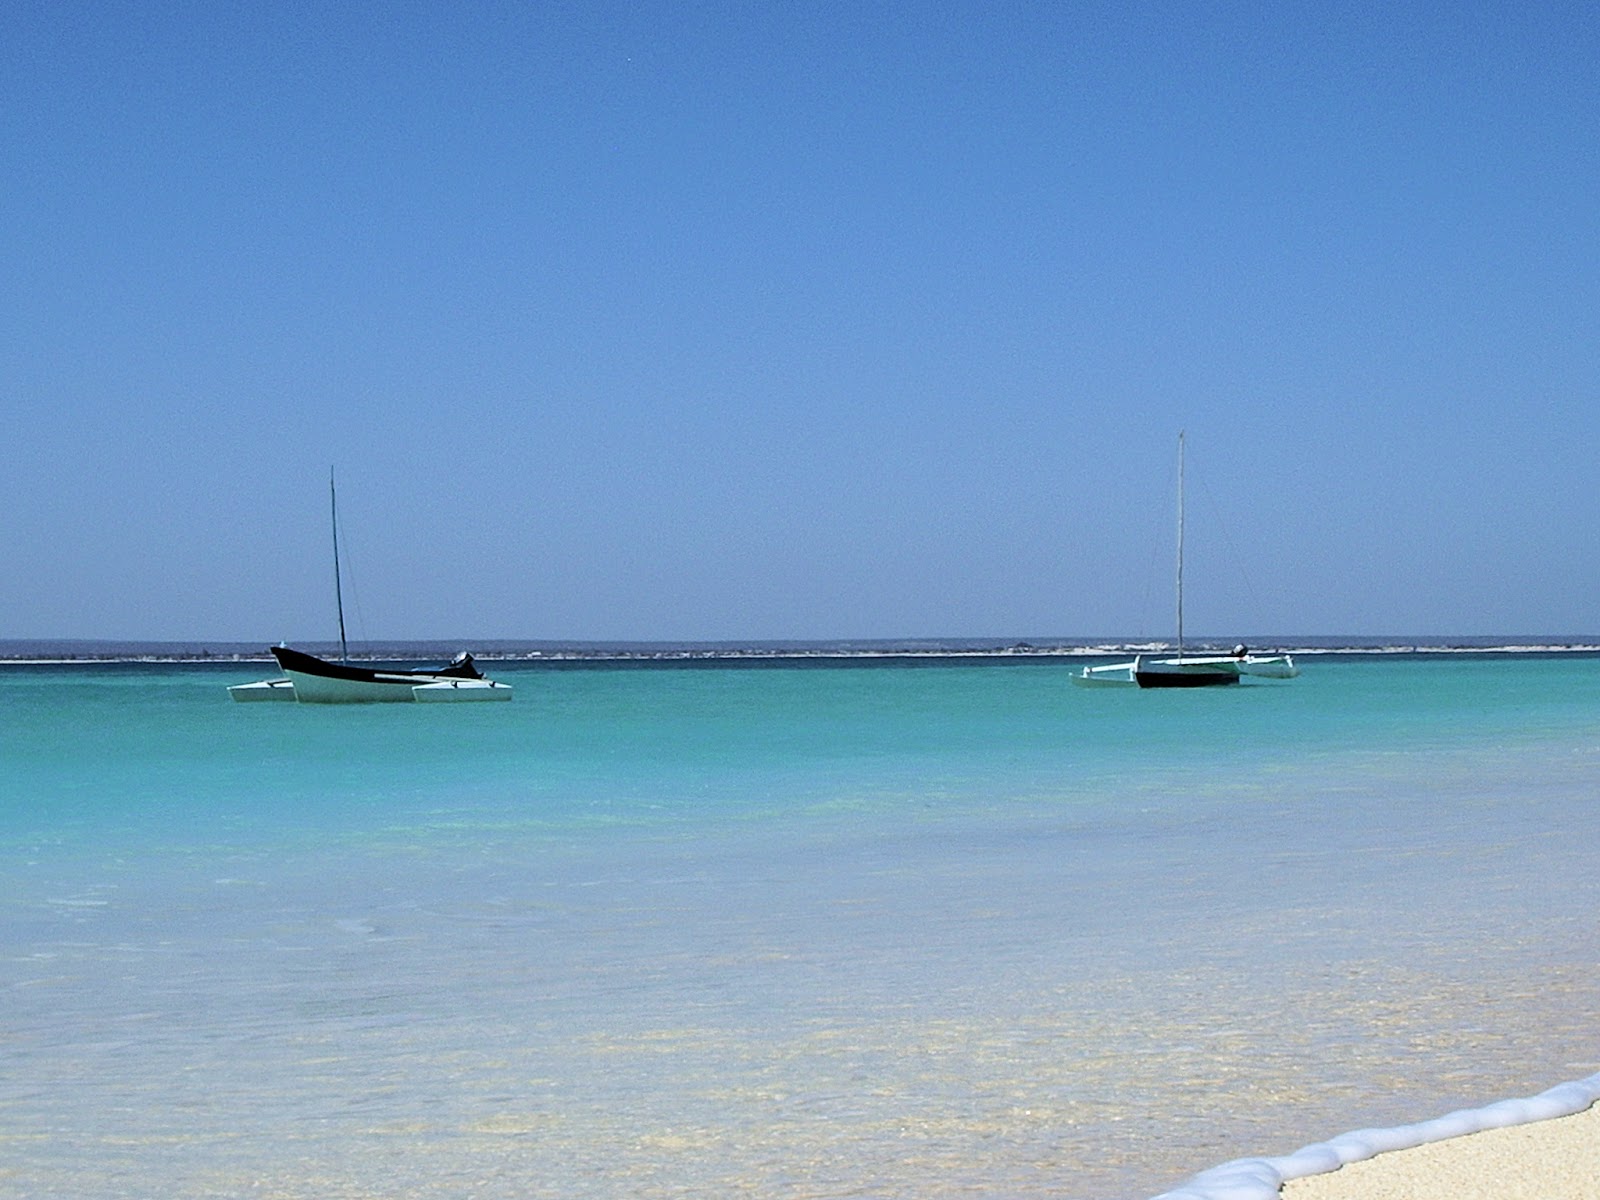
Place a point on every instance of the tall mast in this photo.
(1180, 543)
(338, 592)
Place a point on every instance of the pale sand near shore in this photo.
(1551, 1155)
(1558, 1159)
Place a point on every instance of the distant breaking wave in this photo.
(88, 650)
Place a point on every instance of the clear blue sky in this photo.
(739, 321)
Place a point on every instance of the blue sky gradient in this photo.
(733, 321)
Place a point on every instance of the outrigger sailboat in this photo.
(1183, 671)
(316, 681)
(313, 680)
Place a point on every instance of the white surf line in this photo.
(1261, 1178)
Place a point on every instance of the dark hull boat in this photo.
(1187, 672)
(313, 680)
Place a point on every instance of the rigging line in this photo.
(344, 566)
(1237, 562)
(1158, 558)
(338, 585)
(362, 634)
(358, 616)
(1162, 554)
(1180, 544)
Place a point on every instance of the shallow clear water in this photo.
(780, 931)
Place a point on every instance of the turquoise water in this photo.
(806, 931)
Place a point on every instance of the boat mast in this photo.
(338, 593)
(1180, 543)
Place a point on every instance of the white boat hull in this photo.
(319, 689)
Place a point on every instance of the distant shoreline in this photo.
(25, 652)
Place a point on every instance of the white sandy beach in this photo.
(1542, 1147)
(1558, 1159)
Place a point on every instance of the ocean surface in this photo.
(790, 928)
